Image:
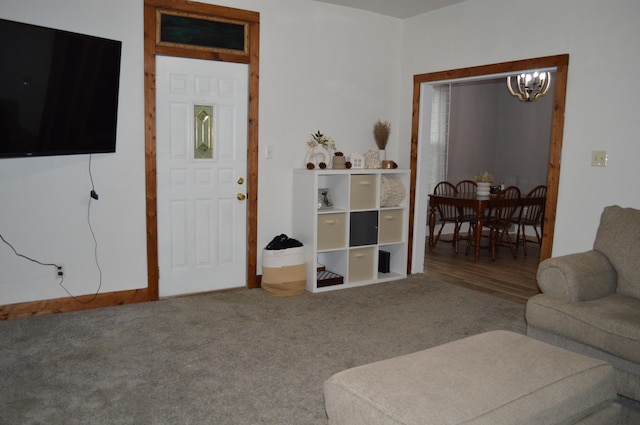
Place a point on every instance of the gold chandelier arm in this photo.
(513, 93)
(547, 83)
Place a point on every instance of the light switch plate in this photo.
(598, 158)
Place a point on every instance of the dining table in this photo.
(479, 204)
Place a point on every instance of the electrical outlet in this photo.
(60, 271)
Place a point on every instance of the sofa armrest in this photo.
(577, 277)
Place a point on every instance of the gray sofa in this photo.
(590, 301)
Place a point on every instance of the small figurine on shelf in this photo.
(371, 159)
(356, 160)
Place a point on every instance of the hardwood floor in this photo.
(508, 278)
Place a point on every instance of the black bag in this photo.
(283, 242)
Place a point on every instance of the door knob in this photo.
(240, 180)
(241, 196)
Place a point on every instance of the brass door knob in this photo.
(241, 196)
(240, 180)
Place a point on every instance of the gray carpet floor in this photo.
(237, 357)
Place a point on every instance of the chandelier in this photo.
(527, 87)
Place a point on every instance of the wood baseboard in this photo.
(66, 305)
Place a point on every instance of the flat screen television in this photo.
(58, 91)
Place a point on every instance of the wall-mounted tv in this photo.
(58, 91)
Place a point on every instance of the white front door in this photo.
(201, 155)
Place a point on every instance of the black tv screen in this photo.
(58, 91)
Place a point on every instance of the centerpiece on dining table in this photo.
(484, 182)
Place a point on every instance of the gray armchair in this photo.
(590, 301)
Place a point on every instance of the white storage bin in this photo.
(284, 271)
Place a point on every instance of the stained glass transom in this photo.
(201, 32)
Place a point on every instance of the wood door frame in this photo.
(561, 64)
(251, 58)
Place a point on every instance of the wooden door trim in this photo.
(561, 64)
(151, 49)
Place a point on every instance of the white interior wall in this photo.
(598, 35)
(322, 67)
(326, 68)
(44, 208)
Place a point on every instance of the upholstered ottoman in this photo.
(494, 378)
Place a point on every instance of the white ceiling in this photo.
(396, 8)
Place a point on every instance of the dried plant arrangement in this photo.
(381, 131)
(484, 178)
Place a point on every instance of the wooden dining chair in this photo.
(466, 186)
(531, 214)
(446, 213)
(498, 220)
(466, 214)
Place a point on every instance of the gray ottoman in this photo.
(493, 378)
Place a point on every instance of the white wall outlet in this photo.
(59, 271)
(598, 158)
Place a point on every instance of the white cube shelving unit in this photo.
(346, 237)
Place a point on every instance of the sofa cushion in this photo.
(618, 238)
(610, 324)
(493, 378)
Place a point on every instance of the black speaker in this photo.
(384, 258)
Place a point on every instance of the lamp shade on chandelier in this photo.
(527, 87)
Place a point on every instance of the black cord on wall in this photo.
(24, 256)
(92, 196)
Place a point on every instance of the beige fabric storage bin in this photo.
(332, 231)
(361, 262)
(390, 230)
(284, 271)
(363, 192)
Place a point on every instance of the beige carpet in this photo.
(240, 357)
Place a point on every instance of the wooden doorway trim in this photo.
(561, 64)
(250, 57)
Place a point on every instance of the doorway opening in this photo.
(470, 127)
(419, 194)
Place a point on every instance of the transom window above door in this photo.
(201, 32)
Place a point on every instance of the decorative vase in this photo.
(382, 154)
(483, 189)
(339, 161)
(318, 154)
